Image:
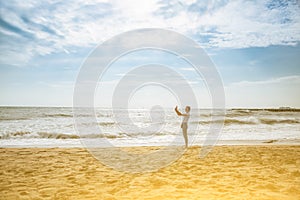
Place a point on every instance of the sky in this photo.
(255, 46)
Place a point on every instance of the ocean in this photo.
(55, 127)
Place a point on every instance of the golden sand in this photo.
(229, 172)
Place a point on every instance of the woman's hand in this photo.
(177, 112)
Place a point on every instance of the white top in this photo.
(186, 118)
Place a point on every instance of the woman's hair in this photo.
(188, 107)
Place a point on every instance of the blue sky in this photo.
(254, 45)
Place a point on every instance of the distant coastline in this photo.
(280, 109)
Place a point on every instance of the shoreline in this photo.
(285, 142)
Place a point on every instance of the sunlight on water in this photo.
(55, 126)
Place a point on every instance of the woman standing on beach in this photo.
(184, 123)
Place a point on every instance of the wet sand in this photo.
(227, 172)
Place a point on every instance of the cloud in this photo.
(35, 28)
(41, 28)
(279, 80)
(58, 84)
(187, 69)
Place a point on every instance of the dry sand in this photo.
(227, 172)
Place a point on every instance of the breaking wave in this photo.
(46, 135)
(252, 121)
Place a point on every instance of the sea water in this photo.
(55, 126)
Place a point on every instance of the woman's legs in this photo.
(184, 131)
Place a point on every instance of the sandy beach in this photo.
(227, 172)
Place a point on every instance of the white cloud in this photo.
(60, 84)
(241, 24)
(281, 80)
(40, 28)
(187, 69)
